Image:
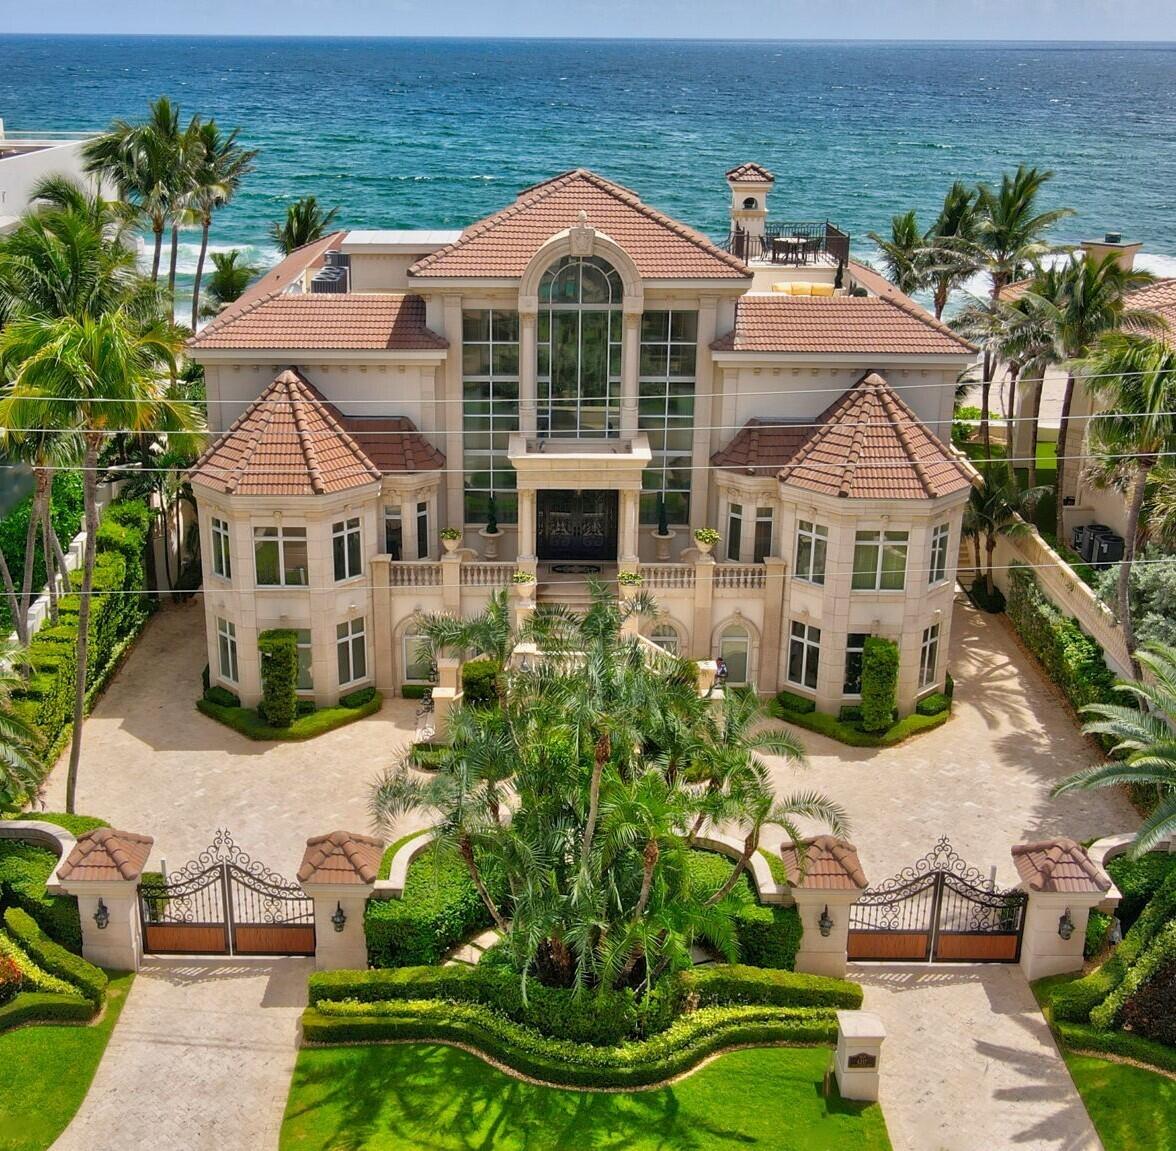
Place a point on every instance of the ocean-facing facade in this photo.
(577, 383)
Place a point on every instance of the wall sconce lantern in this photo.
(825, 923)
(1066, 924)
(102, 915)
(339, 919)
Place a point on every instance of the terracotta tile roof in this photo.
(502, 245)
(828, 325)
(104, 854)
(1059, 865)
(373, 321)
(1158, 297)
(870, 445)
(341, 857)
(762, 447)
(825, 863)
(392, 443)
(751, 174)
(288, 442)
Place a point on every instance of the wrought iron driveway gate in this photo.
(938, 910)
(225, 903)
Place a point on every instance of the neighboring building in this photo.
(26, 158)
(575, 369)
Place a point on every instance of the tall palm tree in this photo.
(21, 766)
(951, 254)
(999, 507)
(305, 222)
(1135, 377)
(903, 253)
(90, 374)
(1146, 744)
(1080, 301)
(220, 166)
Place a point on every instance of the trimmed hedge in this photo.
(361, 697)
(1159, 954)
(795, 704)
(1070, 657)
(480, 682)
(414, 690)
(683, 1045)
(934, 704)
(730, 984)
(879, 683)
(851, 733)
(278, 649)
(1138, 880)
(222, 697)
(1151, 1010)
(75, 824)
(45, 1007)
(33, 978)
(247, 721)
(52, 957)
(24, 868)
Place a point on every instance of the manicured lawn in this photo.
(45, 1072)
(1132, 1109)
(414, 1097)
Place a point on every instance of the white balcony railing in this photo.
(667, 577)
(414, 573)
(740, 577)
(482, 573)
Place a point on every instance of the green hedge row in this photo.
(732, 984)
(52, 957)
(1070, 657)
(1138, 880)
(683, 1045)
(247, 721)
(24, 868)
(33, 978)
(45, 1007)
(851, 732)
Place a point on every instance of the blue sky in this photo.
(784, 19)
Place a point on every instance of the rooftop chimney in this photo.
(1113, 244)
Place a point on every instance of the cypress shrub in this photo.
(279, 676)
(879, 683)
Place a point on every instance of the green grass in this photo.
(47, 1070)
(249, 723)
(1131, 1109)
(427, 1097)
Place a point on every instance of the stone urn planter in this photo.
(451, 540)
(491, 545)
(661, 543)
(705, 540)
(524, 586)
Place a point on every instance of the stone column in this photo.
(860, 1035)
(452, 409)
(629, 535)
(451, 583)
(775, 570)
(338, 872)
(707, 380)
(382, 622)
(528, 365)
(630, 367)
(704, 590)
(527, 526)
(103, 872)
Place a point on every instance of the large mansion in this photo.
(577, 383)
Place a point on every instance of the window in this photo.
(579, 349)
(490, 412)
(734, 651)
(222, 563)
(763, 535)
(734, 531)
(879, 561)
(666, 637)
(939, 539)
(226, 636)
(345, 538)
(422, 526)
(812, 545)
(929, 656)
(280, 556)
(393, 532)
(305, 662)
(804, 655)
(418, 666)
(855, 647)
(665, 411)
(351, 647)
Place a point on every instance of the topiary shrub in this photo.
(278, 648)
(879, 683)
(1151, 1011)
(480, 682)
(24, 868)
(1097, 926)
(52, 957)
(933, 704)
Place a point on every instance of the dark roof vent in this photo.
(1111, 238)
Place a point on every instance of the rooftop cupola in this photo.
(1113, 244)
(750, 185)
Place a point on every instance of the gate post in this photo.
(339, 871)
(825, 879)
(102, 871)
(1064, 884)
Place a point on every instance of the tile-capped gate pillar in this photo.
(338, 872)
(102, 871)
(825, 878)
(1064, 885)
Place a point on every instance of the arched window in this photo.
(750, 204)
(735, 650)
(665, 635)
(579, 349)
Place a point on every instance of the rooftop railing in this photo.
(791, 243)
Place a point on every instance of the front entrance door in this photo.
(577, 525)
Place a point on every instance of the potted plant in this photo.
(524, 583)
(450, 538)
(706, 538)
(630, 579)
(491, 533)
(662, 534)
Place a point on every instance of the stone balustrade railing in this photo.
(483, 573)
(740, 577)
(667, 577)
(414, 573)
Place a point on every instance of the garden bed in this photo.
(246, 720)
(851, 732)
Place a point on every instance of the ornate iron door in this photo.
(577, 525)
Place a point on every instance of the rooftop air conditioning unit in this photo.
(330, 281)
(336, 259)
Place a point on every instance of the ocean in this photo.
(436, 133)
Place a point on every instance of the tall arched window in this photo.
(735, 649)
(579, 349)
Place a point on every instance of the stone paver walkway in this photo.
(200, 1060)
(969, 1063)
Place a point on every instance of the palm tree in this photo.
(490, 634)
(1145, 736)
(904, 257)
(1135, 377)
(1080, 301)
(998, 507)
(228, 280)
(21, 767)
(305, 222)
(951, 255)
(220, 166)
(89, 374)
